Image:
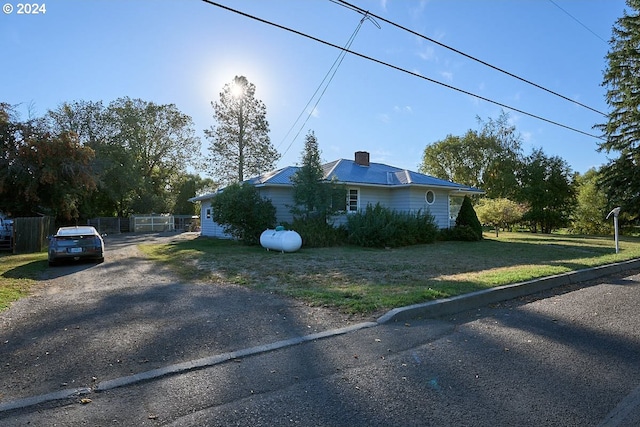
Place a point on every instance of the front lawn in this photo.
(18, 273)
(358, 280)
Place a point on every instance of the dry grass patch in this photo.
(361, 280)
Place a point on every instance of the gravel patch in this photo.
(87, 323)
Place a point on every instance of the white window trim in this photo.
(426, 197)
(357, 190)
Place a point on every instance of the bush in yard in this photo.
(380, 227)
(317, 233)
(242, 213)
(467, 218)
(462, 233)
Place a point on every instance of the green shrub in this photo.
(316, 233)
(462, 233)
(241, 211)
(380, 227)
(467, 217)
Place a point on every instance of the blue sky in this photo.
(184, 52)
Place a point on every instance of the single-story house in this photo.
(366, 183)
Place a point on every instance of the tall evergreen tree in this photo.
(239, 142)
(313, 196)
(620, 177)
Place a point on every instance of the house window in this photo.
(455, 203)
(430, 197)
(353, 200)
(338, 203)
(208, 213)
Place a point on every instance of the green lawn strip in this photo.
(18, 273)
(359, 280)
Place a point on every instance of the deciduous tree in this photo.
(547, 190)
(499, 212)
(189, 186)
(40, 172)
(486, 158)
(149, 146)
(591, 205)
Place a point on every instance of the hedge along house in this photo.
(366, 184)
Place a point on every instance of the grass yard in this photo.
(357, 280)
(18, 273)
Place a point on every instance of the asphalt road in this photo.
(566, 357)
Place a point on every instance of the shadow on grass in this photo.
(32, 270)
(363, 279)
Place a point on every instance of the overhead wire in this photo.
(329, 75)
(395, 67)
(577, 20)
(473, 58)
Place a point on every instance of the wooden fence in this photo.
(30, 234)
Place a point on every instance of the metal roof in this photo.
(379, 174)
(349, 172)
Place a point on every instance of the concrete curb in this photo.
(432, 309)
(43, 398)
(224, 357)
(448, 306)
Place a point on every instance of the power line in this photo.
(395, 67)
(578, 21)
(330, 74)
(357, 9)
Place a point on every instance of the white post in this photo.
(615, 213)
(615, 226)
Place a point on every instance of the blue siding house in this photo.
(366, 183)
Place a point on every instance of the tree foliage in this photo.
(142, 152)
(83, 159)
(547, 190)
(239, 142)
(591, 205)
(186, 187)
(468, 219)
(620, 177)
(313, 196)
(499, 212)
(84, 118)
(41, 173)
(159, 142)
(242, 213)
(316, 199)
(485, 159)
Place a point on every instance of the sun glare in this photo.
(236, 90)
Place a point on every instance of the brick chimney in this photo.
(362, 158)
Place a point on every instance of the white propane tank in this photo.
(281, 240)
